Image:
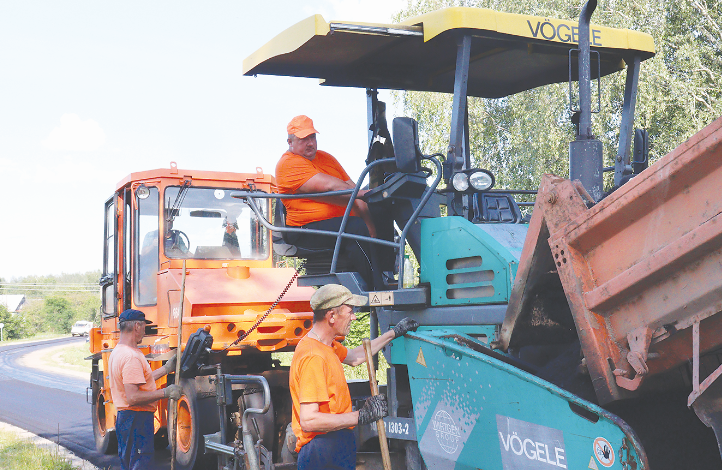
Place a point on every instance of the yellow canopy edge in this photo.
(531, 27)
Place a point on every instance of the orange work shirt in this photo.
(317, 377)
(292, 172)
(129, 366)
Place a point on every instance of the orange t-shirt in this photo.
(317, 377)
(292, 171)
(128, 366)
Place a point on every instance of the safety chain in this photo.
(628, 463)
(270, 309)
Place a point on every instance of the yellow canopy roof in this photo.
(509, 52)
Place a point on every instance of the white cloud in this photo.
(75, 135)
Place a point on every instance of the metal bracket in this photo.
(697, 387)
(639, 340)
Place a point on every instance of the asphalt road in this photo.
(52, 405)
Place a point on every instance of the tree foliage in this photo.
(520, 137)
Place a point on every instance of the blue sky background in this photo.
(93, 90)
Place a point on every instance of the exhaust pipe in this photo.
(586, 152)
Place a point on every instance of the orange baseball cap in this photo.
(301, 126)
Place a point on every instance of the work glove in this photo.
(173, 392)
(373, 410)
(169, 366)
(405, 325)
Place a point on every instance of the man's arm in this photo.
(321, 183)
(136, 396)
(357, 355)
(313, 420)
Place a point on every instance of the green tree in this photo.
(14, 326)
(58, 314)
(520, 137)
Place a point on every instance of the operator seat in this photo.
(318, 261)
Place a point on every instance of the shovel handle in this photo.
(383, 443)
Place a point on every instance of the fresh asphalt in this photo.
(51, 405)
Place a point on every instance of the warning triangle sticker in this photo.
(592, 464)
(375, 299)
(420, 358)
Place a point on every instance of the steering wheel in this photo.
(178, 241)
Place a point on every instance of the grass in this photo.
(16, 454)
(72, 357)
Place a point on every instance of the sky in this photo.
(91, 91)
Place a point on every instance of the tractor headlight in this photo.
(480, 180)
(460, 182)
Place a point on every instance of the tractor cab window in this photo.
(146, 238)
(207, 223)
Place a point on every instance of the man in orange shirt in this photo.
(133, 390)
(322, 416)
(305, 169)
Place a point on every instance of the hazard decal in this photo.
(604, 452)
(420, 358)
(381, 298)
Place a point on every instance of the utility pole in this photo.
(2, 325)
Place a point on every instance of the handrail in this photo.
(249, 197)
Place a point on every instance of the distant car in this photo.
(81, 328)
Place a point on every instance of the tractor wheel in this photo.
(195, 418)
(105, 440)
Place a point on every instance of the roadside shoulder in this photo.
(43, 443)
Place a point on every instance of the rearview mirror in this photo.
(406, 145)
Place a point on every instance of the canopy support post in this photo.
(455, 160)
(622, 164)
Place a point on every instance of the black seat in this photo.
(318, 260)
(495, 208)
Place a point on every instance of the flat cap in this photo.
(335, 295)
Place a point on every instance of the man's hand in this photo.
(169, 366)
(173, 392)
(404, 326)
(373, 410)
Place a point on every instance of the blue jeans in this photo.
(330, 451)
(134, 430)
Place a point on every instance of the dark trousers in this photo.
(363, 256)
(134, 430)
(330, 451)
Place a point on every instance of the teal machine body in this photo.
(474, 407)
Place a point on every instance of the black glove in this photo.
(169, 366)
(374, 409)
(405, 325)
(173, 392)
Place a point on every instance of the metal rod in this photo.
(383, 443)
(424, 199)
(585, 90)
(349, 206)
(622, 165)
(174, 403)
(326, 233)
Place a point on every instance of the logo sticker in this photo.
(420, 358)
(447, 433)
(604, 452)
(530, 446)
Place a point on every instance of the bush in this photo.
(15, 326)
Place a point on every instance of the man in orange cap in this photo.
(305, 169)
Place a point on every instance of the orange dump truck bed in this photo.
(641, 270)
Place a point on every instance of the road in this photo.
(51, 404)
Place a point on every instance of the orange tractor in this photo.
(238, 308)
